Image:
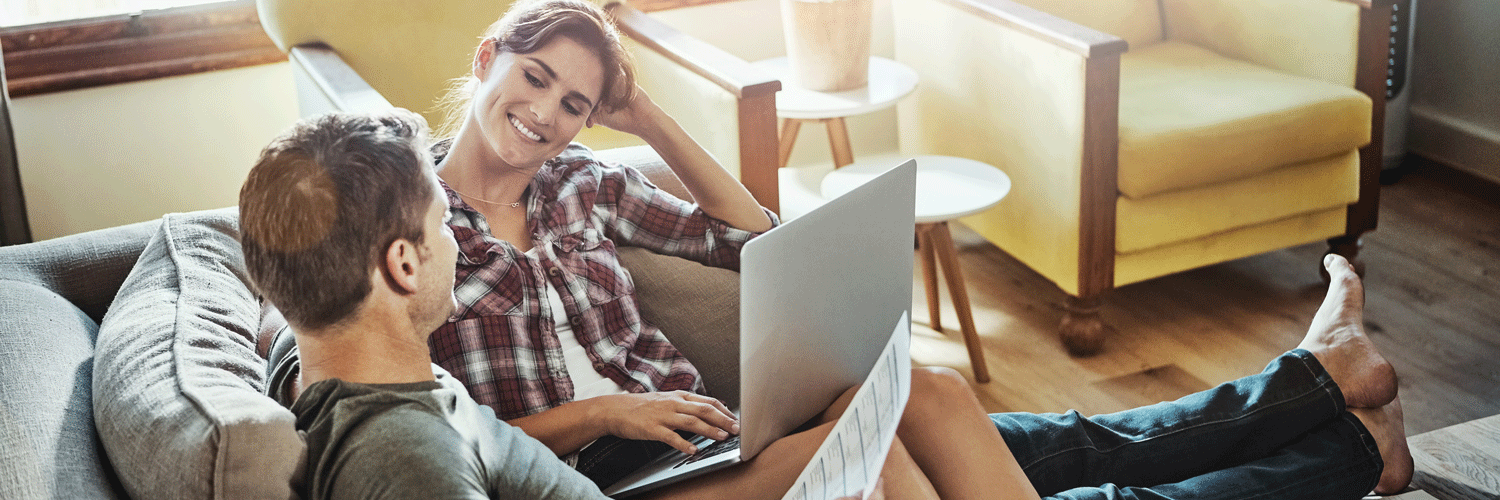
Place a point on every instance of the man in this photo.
(344, 229)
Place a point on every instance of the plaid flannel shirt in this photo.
(501, 342)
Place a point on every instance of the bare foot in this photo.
(1389, 429)
(1337, 338)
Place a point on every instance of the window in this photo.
(118, 48)
(24, 12)
(57, 45)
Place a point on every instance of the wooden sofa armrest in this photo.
(1370, 75)
(326, 83)
(1084, 40)
(753, 89)
(1031, 140)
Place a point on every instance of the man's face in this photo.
(439, 254)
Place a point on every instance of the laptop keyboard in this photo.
(717, 448)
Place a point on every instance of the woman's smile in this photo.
(520, 127)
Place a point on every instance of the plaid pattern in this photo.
(501, 342)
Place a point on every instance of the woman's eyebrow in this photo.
(553, 75)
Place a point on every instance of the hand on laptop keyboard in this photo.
(717, 448)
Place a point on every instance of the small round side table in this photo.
(889, 81)
(947, 188)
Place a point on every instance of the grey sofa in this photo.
(156, 317)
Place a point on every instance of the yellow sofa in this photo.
(367, 54)
(1148, 137)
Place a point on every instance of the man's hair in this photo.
(323, 204)
(530, 25)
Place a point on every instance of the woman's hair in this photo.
(324, 202)
(529, 26)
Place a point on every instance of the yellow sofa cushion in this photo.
(1254, 240)
(1189, 117)
(1178, 216)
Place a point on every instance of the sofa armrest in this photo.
(728, 105)
(86, 268)
(1036, 96)
(325, 83)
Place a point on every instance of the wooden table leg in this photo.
(838, 141)
(947, 255)
(789, 129)
(929, 275)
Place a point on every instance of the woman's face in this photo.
(530, 106)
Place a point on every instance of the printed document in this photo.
(850, 459)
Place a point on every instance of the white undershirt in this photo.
(587, 382)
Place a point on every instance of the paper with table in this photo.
(850, 459)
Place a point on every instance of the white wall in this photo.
(1455, 111)
(105, 156)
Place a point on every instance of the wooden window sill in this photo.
(83, 53)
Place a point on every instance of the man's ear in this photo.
(401, 266)
(484, 56)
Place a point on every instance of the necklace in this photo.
(482, 200)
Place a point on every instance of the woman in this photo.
(548, 332)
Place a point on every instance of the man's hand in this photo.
(659, 415)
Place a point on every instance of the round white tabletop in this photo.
(947, 187)
(889, 82)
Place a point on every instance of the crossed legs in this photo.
(1322, 421)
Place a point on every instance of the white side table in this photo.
(889, 81)
(947, 188)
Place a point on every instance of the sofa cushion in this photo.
(1190, 117)
(1194, 213)
(48, 447)
(86, 268)
(1223, 247)
(177, 379)
(698, 308)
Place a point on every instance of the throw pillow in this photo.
(177, 380)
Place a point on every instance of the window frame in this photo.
(107, 50)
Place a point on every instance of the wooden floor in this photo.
(1432, 307)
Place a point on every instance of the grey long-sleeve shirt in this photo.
(422, 440)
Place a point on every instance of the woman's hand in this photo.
(633, 118)
(719, 194)
(659, 415)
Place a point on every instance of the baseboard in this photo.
(1459, 179)
(1455, 142)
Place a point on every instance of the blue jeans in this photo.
(1282, 434)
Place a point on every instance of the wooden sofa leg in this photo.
(1348, 247)
(1082, 331)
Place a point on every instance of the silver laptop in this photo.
(818, 296)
